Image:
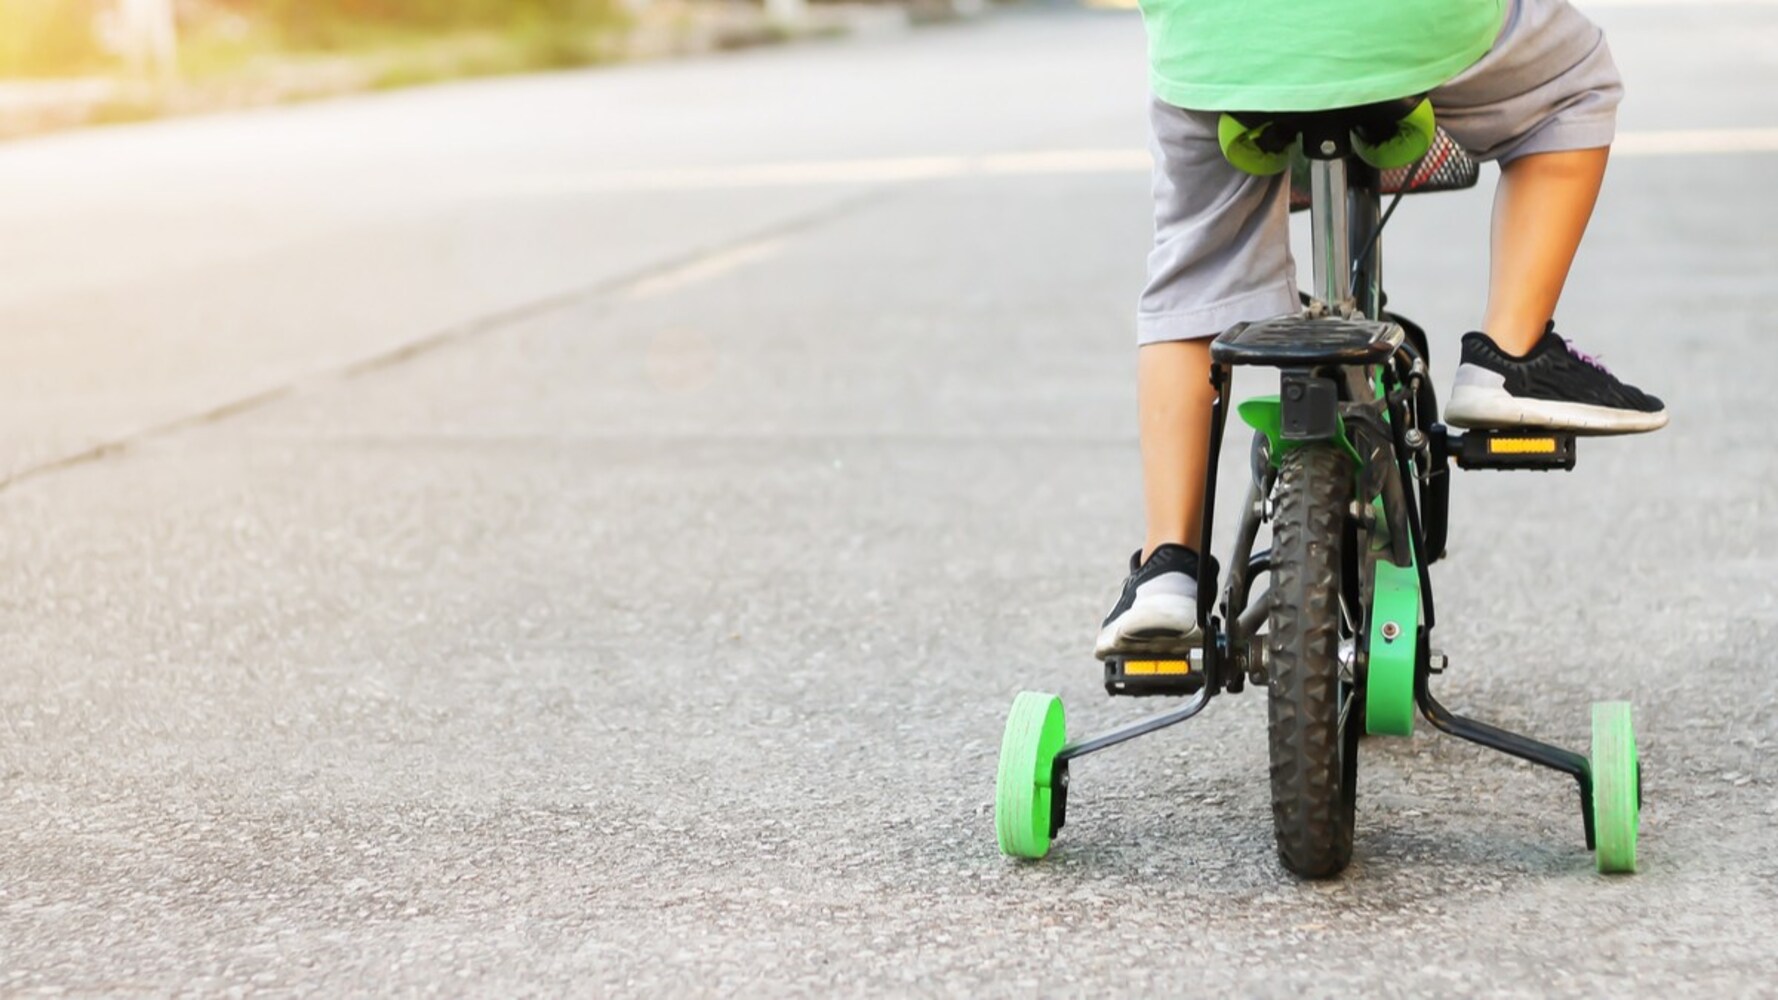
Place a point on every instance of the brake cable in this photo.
(1413, 181)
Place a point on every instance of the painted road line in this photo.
(1697, 141)
(703, 268)
(1034, 163)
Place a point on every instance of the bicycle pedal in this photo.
(1491, 449)
(1145, 678)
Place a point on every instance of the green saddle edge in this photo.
(1240, 144)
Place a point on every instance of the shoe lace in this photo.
(1586, 358)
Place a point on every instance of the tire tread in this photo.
(1312, 818)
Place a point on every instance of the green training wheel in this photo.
(1035, 731)
(1617, 787)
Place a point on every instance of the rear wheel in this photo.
(1311, 708)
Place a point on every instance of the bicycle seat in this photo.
(1387, 135)
(1378, 122)
(1445, 167)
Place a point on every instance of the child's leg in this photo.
(1540, 213)
(1221, 256)
(1173, 398)
(1543, 102)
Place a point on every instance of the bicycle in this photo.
(1351, 470)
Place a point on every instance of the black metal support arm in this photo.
(1522, 747)
(1080, 748)
(1398, 426)
(1219, 413)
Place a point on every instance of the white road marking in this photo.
(1036, 163)
(703, 268)
(1064, 161)
(1053, 162)
(1697, 141)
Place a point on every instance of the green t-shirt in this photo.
(1310, 55)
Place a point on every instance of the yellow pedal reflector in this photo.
(1522, 446)
(1157, 666)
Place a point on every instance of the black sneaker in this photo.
(1554, 387)
(1158, 612)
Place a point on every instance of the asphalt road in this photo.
(579, 535)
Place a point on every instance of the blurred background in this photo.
(117, 60)
(578, 532)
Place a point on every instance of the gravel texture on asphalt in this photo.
(648, 626)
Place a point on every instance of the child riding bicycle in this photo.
(1528, 83)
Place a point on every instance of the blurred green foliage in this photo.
(40, 37)
(60, 37)
(336, 24)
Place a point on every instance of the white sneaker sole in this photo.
(1161, 624)
(1490, 408)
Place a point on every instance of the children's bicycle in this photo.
(1351, 473)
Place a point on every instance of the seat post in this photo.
(1330, 232)
(1363, 212)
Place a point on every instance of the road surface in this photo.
(579, 535)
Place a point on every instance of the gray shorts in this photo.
(1222, 246)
